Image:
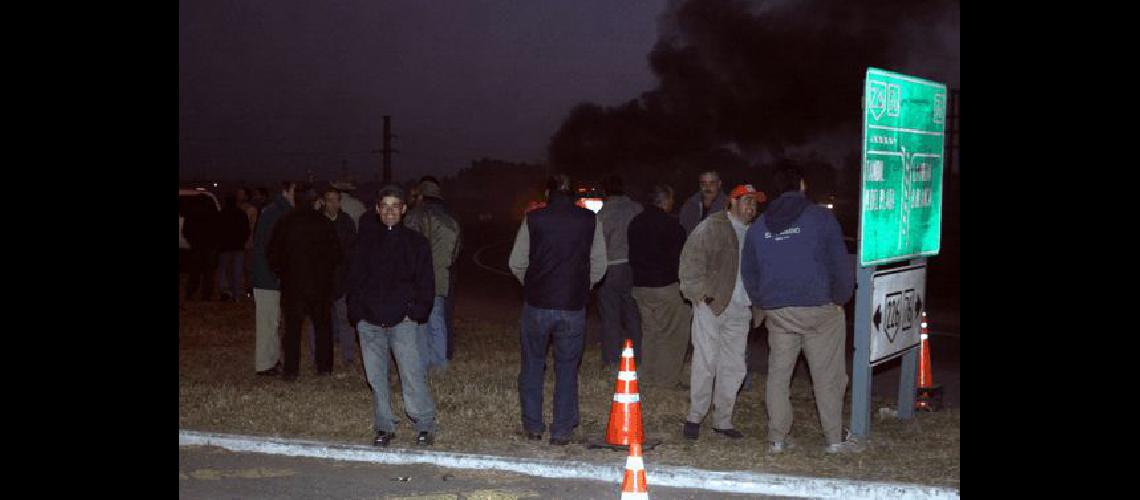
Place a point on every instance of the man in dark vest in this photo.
(558, 255)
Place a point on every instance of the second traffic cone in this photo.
(929, 396)
(625, 411)
(633, 486)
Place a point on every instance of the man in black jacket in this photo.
(201, 231)
(391, 287)
(655, 241)
(304, 252)
(233, 232)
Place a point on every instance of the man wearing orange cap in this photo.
(710, 279)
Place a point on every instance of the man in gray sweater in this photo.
(616, 307)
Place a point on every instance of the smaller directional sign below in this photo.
(897, 301)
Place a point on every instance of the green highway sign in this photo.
(904, 123)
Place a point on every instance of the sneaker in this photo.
(559, 441)
(425, 439)
(272, 372)
(844, 448)
(383, 438)
(777, 447)
(692, 430)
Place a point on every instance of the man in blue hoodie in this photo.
(796, 269)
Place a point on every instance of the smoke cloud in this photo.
(757, 79)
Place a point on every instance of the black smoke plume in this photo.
(741, 82)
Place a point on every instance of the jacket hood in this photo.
(784, 211)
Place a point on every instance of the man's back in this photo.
(655, 242)
(558, 276)
(615, 216)
(201, 226)
(304, 251)
(799, 258)
(262, 276)
(443, 233)
(233, 229)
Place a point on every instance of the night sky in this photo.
(267, 89)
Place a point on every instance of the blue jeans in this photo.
(375, 344)
(567, 329)
(342, 333)
(230, 272)
(433, 336)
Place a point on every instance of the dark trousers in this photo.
(201, 266)
(448, 313)
(618, 312)
(567, 331)
(294, 308)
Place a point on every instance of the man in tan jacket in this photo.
(710, 279)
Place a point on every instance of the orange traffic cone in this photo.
(634, 486)
(625, 411)
(929, 396)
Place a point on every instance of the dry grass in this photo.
(478, 410)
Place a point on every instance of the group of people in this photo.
(378, 276)
(220, 243)
(383, 276)
(709, 275)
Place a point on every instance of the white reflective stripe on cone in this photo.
(627, 398)
(635, 496)
(634, 463)
(627, 352)
(627, 375)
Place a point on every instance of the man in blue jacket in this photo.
(267, 285)
(391, 287)
(796, 268)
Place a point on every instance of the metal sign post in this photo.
(904, 120)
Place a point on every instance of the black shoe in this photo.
(383, 438)
(289, 377)
(732, 433)
(272, 372)
(425, 439)
(534, 436)
(557, 441)
(692, 430)
(324, 373)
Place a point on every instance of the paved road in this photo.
(209, 472)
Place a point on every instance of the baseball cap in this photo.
(747, 189)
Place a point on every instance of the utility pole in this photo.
(386, 152)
